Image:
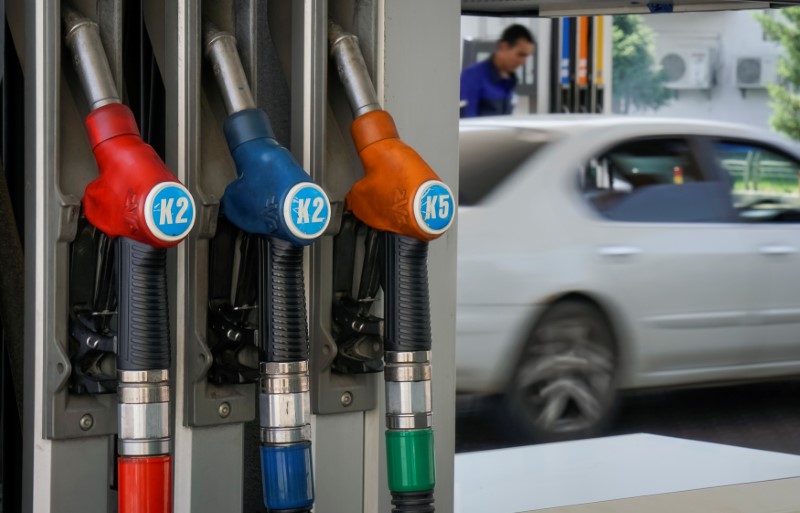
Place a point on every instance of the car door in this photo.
(766, 195)
(670, 259)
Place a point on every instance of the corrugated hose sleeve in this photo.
(282, 305)
(412, 502)
(143, 308)
(408, 316)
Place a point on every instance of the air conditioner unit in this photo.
(688, 67)
(756, 72)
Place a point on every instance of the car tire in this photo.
(564, 386)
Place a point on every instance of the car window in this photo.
(764, 182)
(489, 156)
(653, 180)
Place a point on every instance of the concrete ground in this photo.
(758, 416)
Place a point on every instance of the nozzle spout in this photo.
(352, 71)
(83, 39)
(220, 48)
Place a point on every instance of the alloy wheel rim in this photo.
(566, 377)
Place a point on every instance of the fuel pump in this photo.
(599, 66)
(142, 210)
(582, 93)
(565, 74)
(402, 197)
(274, 200)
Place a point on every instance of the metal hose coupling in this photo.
(144, 465)
(144, 427)
(408, 389)
(284, 402)
(409, 438)
(286, 464)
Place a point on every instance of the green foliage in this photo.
(785, 101)
(637, 81)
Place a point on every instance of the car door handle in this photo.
(777, 249)
(619, 251)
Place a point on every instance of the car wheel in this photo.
(564, 386)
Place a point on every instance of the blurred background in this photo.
(651, 288)
(707, 65)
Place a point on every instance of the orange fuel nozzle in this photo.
(399, 193)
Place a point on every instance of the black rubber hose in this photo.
(143, 334)
(407, 300)
(282, 302)
(413, 502)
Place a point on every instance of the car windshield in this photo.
(490, 155)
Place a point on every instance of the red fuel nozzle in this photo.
(118, 201)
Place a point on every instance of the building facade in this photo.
(720, 63)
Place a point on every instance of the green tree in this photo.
(785, 29)
(637, 81)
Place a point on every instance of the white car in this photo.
(600, 254)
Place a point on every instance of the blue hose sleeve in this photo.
(288, 477)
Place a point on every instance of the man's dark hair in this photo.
(514, 33)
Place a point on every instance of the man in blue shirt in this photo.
(487, 87)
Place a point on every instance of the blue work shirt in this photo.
(484, 92)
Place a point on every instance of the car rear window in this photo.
(488, 156)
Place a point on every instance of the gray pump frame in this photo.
(283, 45)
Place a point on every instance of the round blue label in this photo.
(434, 207)
(307, 210)
(170, 211)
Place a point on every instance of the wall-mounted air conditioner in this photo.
(756, 72)
(688, 67)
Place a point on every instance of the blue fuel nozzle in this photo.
(272, 195)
